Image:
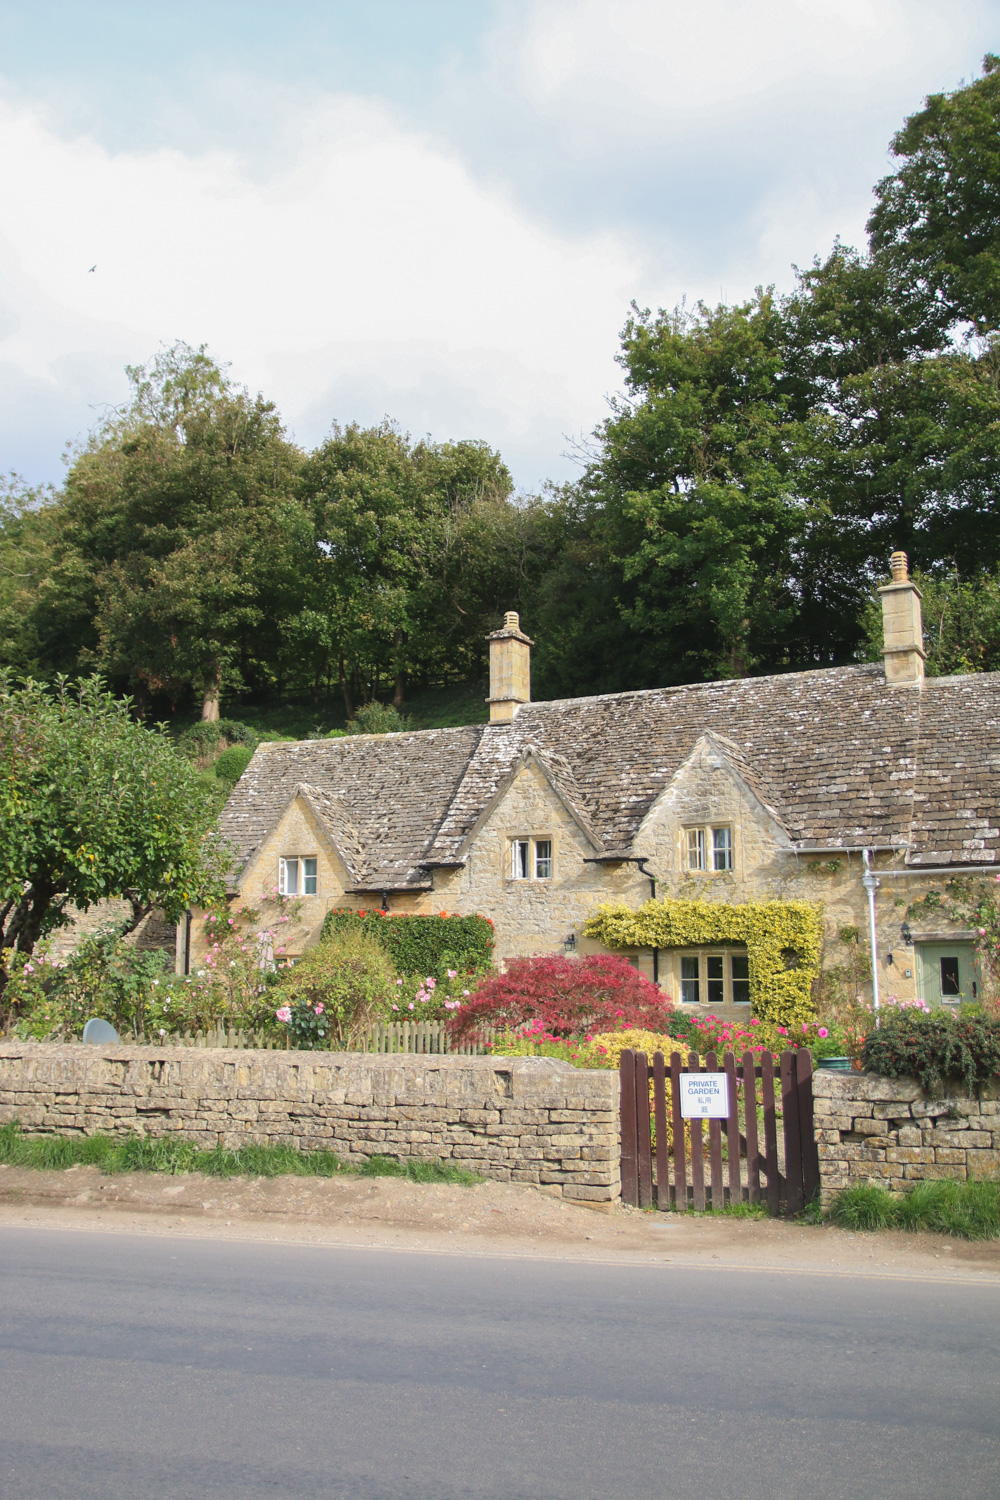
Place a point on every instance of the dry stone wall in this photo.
(887, 1131)
(533, 1120)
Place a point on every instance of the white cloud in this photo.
(465, 269)
(372, 267)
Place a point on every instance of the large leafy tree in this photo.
(180, 509)
(936, 222)
(92, 805)
(415, 547)
(699, 491)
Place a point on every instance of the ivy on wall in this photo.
(783, 941)
(421, 944)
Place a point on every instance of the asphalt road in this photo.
(137, 1367)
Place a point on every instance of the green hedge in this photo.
(424, 945)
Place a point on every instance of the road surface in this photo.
(138, 1366)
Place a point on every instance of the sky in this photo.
(438, 211)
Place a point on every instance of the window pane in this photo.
(519, 859)
(288, 877)
(308, 877)
(740, 968)
(716, 984)
(949, 976)
(722, 848)
(696, 848)
(543, 859)
(690, 988)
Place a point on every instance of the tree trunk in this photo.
(210, 698)
(397, 697)
(345, 690)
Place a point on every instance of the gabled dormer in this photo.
(715, 818)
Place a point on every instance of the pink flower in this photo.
(395, 1007)
(399, 981)
(284, 1014)
(430, 982)
(451, 973)
(982, 932)
(410, 1006)
(466, 992)
(822, 1032)
(318, 1009)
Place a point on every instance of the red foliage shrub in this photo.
(571, 996)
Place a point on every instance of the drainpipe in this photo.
(870, 881)
(652, 896)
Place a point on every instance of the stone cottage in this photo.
(771, 787)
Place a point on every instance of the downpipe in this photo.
(871, 882)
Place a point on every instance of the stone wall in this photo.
(534, 1120)
(887, 1131)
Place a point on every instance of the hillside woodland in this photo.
(734, 509)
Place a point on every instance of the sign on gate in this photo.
(704, 1096)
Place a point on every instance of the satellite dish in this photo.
(101, 1033)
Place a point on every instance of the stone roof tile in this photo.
(841, 758)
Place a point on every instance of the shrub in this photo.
(107, 976)
(934, 1047)
(378, 718)
(235, 733)
(349, 977)
(569, 996)
(709, 1034)
(421, 945)
(605, 1048)
(233, 762)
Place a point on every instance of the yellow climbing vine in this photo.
(783, 941)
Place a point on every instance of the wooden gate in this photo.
(664, 1156)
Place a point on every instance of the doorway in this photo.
(947, 973)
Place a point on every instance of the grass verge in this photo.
(967, 1210)
(169, 1155)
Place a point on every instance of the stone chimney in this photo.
(902, 626)
(510, 669)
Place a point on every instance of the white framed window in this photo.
(714, 977)
(297, 877)
(531, 859)
(709, 848)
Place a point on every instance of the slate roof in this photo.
(842, 759)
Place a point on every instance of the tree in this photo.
(92, 805)
(413, 545)
(936, 221)
(961, 622)
(699, 488)
(181, 508)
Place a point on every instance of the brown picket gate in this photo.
(666, 1167)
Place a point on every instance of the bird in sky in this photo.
(93, 268)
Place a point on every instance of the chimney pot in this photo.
(511, 620)
(898, 566)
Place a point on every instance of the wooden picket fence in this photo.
(674, 1177)
(388, 1037)
(416, 1036)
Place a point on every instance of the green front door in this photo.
(947, 973)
